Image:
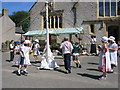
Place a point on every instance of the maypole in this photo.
(47, 30)
(48, 61)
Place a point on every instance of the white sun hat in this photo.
(27, 42)
(104, 39)
(112, 38)
(36, 40)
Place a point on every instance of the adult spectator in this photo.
(93, 45)
(12, 47)
(113, 47)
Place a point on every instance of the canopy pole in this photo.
(47, 29)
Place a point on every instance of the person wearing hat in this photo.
(24, 57)
(113, 47)
(36, 47)
(67, 48)
(104, 61)
(17, 47)
(16, 63)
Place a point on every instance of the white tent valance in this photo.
(55, 31)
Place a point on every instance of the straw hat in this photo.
(104, 39)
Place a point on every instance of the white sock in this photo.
(19, 71)
(25, 70)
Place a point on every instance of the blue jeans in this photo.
(22, 60)
(67, 61)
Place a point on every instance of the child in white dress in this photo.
(36, 47)
(24, 54)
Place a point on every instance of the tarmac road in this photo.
(85, 77)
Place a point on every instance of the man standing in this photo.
(67, 48)
(12, 47)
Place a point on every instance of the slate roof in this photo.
(18, 30)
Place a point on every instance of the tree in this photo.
(20, 19)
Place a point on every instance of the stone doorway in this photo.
(114, 31)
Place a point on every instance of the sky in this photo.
(16, 6)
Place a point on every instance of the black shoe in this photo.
(69, 71)
(19, 74)
(76, 64)
(10, 60)
(25, 72)
(80, 66)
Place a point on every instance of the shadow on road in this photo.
(35, 62)
(61, 65)
(15, 72)
(7, 60)
(14, 66)
(59, 70)
(93, 63)
(91, 69)
(64, 65)
(89, 76)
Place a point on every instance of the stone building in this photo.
(101, 18)
(7, 29)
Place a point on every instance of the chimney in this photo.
(5, 12)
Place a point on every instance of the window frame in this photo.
(52, 19)
(98, 12)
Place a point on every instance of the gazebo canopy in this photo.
(55, 31)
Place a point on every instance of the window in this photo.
(113, 8)
(92, 28)
(60, 22)
(118, 7)
(53, 21)
(44, 20)
(109, 8)
(56, 22)
(101, 8)
(74, 10)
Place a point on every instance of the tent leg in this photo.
(70, 37)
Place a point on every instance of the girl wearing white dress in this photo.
(36, 47)
(113, 47)
(104, 62)
(24, 54)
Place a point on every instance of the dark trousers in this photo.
(93, 48)
(67, 61)
(11, 56)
